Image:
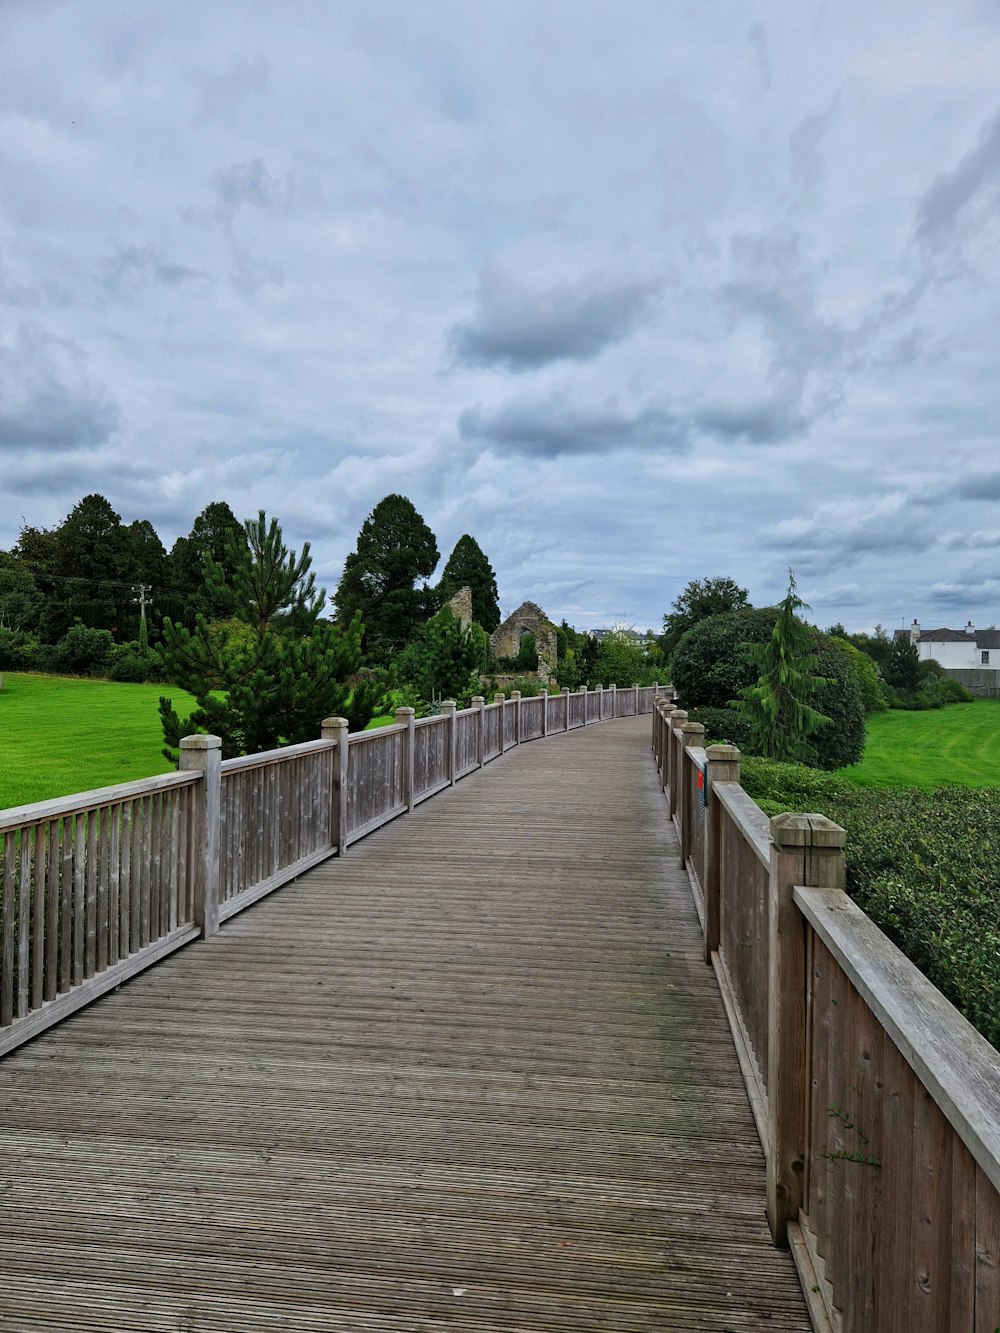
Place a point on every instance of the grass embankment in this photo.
(956, 746)
(922, 815)
(61, 735)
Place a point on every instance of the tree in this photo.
(395, 548)
(445, 659)
(780, 714)
(212, 532)
(467, 566)
(713, 663)
(902, 666)
(276, 683)
(701, 599)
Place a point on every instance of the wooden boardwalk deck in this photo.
(473, 1077)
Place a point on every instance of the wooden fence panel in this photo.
(695, 841)
(491, 731)
(578, 710)
(430, 756)
(276, 819)
(531, 718)
(744, 932)
(66, 868)
(901, 1196)
(509, 723)
(375, 779)
(466, 741)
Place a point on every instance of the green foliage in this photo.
(20, 601)
(132, 662)
(528, 686)
(444, 660)
(902, 667)
(395, 548)
(467, 566)
(701, 599)
(923, 865)
(275, 681)
(212, 535)
(621, 660)
(713, 664)
(723, 725)
(865, 674)
(777, 706)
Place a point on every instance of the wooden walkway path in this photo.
(473, 1077)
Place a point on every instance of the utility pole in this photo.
(139, 592)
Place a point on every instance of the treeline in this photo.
(235, 617)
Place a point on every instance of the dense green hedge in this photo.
(711, 665)
(925, 866)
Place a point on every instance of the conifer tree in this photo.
(275, 683)
(468, 567)
(777, 707)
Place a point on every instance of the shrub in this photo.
(723, 725)
(82, 651)
(711, 665)
(18, 650)
(923, 865)
(129, 662)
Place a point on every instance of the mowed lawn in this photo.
(955, 746)
(61, 735)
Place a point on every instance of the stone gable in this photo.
(505, 641)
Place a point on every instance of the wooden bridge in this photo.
(475, 1074)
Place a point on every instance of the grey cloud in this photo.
(519, 330)
(545, 429)
(759, 45)
(982, 486)
(759, 423)
(950, 194)
(248, 184)
(805, 145)
(133, 267)
(221, 95)
(47, 400)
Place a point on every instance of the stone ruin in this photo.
(505, 641)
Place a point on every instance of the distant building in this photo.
(970, 655)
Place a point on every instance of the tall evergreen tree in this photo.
(277, 682)
(468, 567)
(395, 548)
(211, 534)
(777, 707)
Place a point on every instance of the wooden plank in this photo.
(442, 1062)
(90, 910)
(52, 870)
(36, 879)
(42, 811)
(953, 1061)
(23, 919)
(987, 1204)
(66, 903)
(103, 889)
(7, 954)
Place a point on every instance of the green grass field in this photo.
(955, 746)
(60, 735)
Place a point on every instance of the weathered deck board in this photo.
(474, 1076)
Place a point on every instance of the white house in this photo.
(970, 655)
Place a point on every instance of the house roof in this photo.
(982, 638)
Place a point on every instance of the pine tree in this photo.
(777, 707)
(468, 567)
(395, 548)
(276, 681)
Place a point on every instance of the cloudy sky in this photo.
(634, 292)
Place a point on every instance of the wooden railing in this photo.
(94, 888)
(877, 1104)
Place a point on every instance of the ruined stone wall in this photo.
(505, 641)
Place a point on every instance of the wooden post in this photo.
(479, 702)
(692, 733)
(498, 698)
(600, 703)
(204, 754)
(614, 699)
(723, 766)
(405, 717)
(807, 850)
(335, 729)
(583, 695)
(675, 767)
(545, 710)
(516, 696)
(635, 697)
(565, 690)
(448, 710)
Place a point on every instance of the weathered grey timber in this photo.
(474, 1076)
